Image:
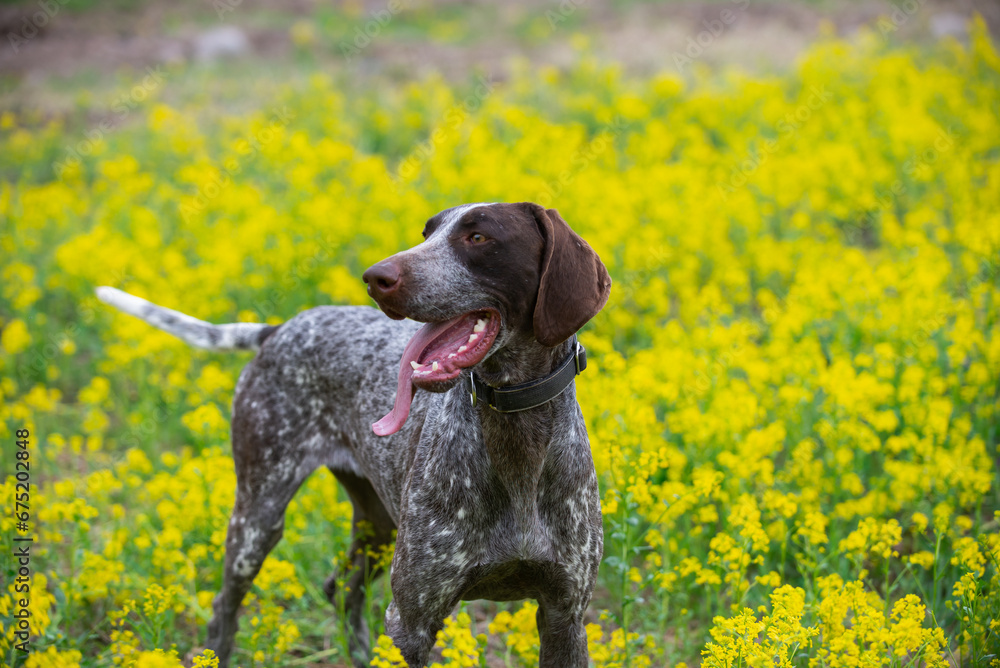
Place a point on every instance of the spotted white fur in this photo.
(198, 333)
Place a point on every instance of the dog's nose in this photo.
(382, 279)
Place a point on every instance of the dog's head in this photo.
(485, 275)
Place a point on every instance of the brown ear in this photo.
(574, 284)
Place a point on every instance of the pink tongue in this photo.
(393, 422)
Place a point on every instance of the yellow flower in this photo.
(303, 33)
(206, 659)
(386, 655)
(520, 630)
(53, 658)
(95, 392)
(279, 576)
(873, 538)
(157, 659)
(924, 559)
(207, 420)
(458, 646)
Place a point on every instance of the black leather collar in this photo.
(513, 398)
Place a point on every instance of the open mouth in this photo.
(436, 355)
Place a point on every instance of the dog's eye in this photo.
(477, 238)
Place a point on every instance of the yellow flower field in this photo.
(793, 399)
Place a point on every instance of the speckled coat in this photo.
(499, 506)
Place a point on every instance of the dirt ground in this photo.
(52, 49)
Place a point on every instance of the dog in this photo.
(481, 463)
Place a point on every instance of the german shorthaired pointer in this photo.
(486, 476)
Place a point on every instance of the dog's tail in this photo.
(236, 336)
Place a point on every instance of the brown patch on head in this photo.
(521, 260)
(501, 246)
(546, 279)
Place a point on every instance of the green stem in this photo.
(937, 554)
(886, 590)
(625, 604)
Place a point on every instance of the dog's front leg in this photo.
(426, 587)
(562, 635)
(255, 527)
(372, 531)
(414, 640)
(253, 532)
(415, 637)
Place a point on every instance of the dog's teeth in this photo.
(473, 337)
(480, 325)
(452, 355)
(462, 349)
(414, 365)
(434, 367)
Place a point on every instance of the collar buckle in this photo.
(514, 398)
(579, 357)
